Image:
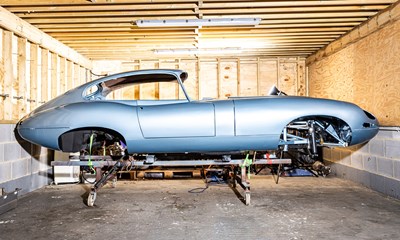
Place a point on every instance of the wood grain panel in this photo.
(222, 77)
(44, 60)
(128, 93)
(228, 79)
(63, 79)
(287, 78)
(169, 90)
(248, 79)
(378, 83)
(192, 83)
(148, 90)
(75, 81)
(82, 75)
(7, 75)
(20, 85)
(268, 75)
(301, 79)
(54, 76)
(335, 82)
(69, 75)
(366, 73)
(1, 75)
(33, 75)
(208, 80)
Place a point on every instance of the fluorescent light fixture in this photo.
(197, 51)
(199, 22)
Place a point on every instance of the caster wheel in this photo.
(91, 198)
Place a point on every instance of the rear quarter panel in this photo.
(270, 115)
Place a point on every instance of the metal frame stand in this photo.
(244, 182)
(102, 176)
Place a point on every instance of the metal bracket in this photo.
(8, 201)
(18, 97)
(333, 133)
(30, 100)
(226, 158)
(150, 159)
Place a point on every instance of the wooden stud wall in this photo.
(31, 75)
(220, 77)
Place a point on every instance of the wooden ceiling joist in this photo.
(205, 3)
(23, 29)
(53, 13)
(98, 29)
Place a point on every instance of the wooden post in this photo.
(63, 78)
(44, 75)
(7, 75)
(157, 84)
(258, 77)
(218, 78)
(54, 78)
(33, 99)
(69, 75)
(278, 72)
(198, 80)
(139, 95)
(238, 77)
(178, 90)
(76, 75)
(20, 84)
(301, 86)
(88, 75)
(82, 75)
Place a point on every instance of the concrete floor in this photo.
(296, 208)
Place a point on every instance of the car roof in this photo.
(176, 72)
(110, 83)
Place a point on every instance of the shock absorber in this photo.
(312, 144)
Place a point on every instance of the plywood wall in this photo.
(366, 73)
(31, 75)
(217, 78)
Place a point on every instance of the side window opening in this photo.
(143, 87)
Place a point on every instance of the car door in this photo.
(190, 119)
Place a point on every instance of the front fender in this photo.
(45, 128)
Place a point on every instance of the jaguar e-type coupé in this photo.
(69, 122)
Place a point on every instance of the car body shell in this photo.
(184, 125)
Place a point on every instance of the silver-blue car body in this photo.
(191, 126)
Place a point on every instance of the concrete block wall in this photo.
(375, 164)
(22, 165)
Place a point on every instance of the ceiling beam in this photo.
(23, 29)
(107, 28)
(205, 4)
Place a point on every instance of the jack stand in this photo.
(243, 181)
(101, 179)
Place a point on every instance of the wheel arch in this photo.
(339, 125)
(73, 139)
(321, 117)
